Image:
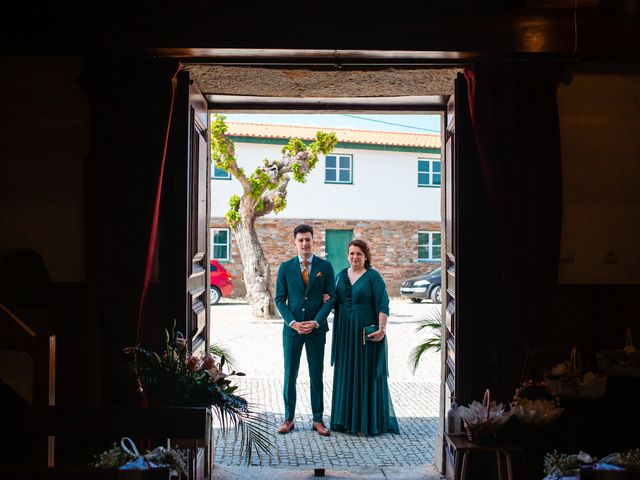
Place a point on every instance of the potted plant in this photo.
(176, 378)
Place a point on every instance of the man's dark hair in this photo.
(302, 228)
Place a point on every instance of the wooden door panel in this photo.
(198, 183)
(187, 214)
(449, 299)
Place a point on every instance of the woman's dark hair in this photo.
(362, 245)
(302, 228)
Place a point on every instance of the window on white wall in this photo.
(429, 174)
(338, 169)
(220, 243)
(429, 246)
(220, 174)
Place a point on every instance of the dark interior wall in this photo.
(600, 121)
(43, 140)
(596, 301)
(45, 136)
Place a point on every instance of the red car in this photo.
(220, 282)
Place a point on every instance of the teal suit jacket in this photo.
(295, 302)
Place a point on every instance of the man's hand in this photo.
(303, 328)
(310, 325)
(325, 297)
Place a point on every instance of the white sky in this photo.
(385, 123)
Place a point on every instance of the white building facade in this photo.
(382, 187)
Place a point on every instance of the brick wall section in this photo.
(393, 244)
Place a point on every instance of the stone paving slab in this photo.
(425, 472)
(257, 346)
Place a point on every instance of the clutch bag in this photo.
(368, 331)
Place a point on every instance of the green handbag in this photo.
(368, 331)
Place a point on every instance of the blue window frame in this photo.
(219, 174)
(429, 246)
(338, 169)
(220, 244)
(429, 174)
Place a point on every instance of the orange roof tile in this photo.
(371, 137)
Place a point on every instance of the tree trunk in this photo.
(256, 271)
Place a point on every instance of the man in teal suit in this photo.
(302, 282)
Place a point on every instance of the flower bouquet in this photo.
(563, 466)
(567, 380)
(483, 420)
(126, 457)
(623, 362)
(534, 405)
(176, 378)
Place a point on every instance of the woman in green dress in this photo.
(361, 402)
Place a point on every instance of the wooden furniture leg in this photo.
(499, 464)
(507, 456)
(464, 465)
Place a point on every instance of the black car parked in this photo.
(423, 287)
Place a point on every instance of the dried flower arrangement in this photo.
(123, 456)
(483, 420)
(567, 380)
(624, 362)
(562, 465)
(534, 404)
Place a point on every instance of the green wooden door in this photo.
(336, 247)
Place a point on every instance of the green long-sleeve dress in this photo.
(361, 400)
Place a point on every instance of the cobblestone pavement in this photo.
(257, 346)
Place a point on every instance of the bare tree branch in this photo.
(233, 168)
(287, 161)
(268, 197)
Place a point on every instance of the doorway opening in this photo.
(390, 86)
(384, 192)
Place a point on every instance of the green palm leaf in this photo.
(433, 323)
(253, 430)
(220, 352)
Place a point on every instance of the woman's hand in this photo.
(376, 336)
(325, 297)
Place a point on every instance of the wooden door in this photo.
(187, 219)
(336, 242)
(449, 290)
(468, 265)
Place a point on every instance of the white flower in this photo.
(559, 370)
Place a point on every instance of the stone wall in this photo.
(393, 244)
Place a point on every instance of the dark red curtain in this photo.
(514, 115)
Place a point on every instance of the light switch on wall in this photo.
(610, 256)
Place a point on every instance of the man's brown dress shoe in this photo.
(286, 426)
(321, 429)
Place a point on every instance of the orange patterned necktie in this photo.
(305, 272)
